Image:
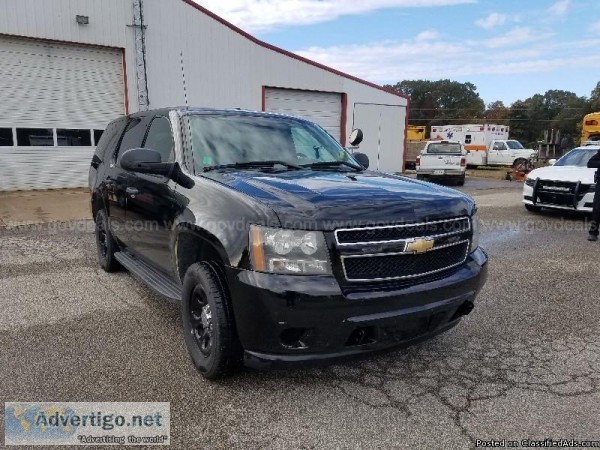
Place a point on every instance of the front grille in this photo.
(393, 233)
(557, 186)
(561, 193)
(404, 265)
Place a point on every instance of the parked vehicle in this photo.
(415, 133)
(278, 244)
(567, 184)
(442, 160)
(590, 128)
(488, 144)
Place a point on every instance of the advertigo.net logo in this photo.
(79, 423)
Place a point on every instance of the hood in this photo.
(564, 173)
(327, 200)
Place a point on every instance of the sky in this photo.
(510, 49)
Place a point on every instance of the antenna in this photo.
(187, 119)
(183, 80)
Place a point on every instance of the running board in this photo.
(150, 276)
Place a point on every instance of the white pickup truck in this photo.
(487, 144)
(442, 160)
(507, 152)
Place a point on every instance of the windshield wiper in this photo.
(252, 164)
(327, 164)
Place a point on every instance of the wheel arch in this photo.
(194, 244)
(97, 203)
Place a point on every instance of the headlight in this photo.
(277, 250)
(475, 228)
(530, 181)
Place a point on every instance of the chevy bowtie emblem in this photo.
(419, 245)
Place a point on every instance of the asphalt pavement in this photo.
(525, 364)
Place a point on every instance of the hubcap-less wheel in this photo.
(209, 329)
(201, 321)
(105, 243)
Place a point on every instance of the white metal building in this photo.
(69, 67)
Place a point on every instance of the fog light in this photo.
(292, 337)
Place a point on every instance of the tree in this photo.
(496, 112)
(594, 105)
(561, 110)
(441, 102)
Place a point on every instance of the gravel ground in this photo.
(524, 365)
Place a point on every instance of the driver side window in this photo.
(499, 146)
(160, 139)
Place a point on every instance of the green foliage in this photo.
(595, 99)
(441, 101)
(450, 102)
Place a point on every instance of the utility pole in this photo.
(140, 55)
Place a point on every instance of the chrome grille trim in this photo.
(405, 277)
(343, 244)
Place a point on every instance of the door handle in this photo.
(131, 191)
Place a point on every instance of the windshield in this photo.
(444, 147)
(515, 145)
(577, 157)
(229, 139)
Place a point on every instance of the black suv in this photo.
(281, 247)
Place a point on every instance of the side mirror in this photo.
(145, 160)
(552, 161)
(362, 159)
(356, 137)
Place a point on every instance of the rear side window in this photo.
(109, 139)
(134, 135)
(160, 138)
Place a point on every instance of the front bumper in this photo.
(584, 205)
(299, 320)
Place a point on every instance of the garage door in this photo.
(323, 108)
(60, 98)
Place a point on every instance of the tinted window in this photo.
(134, 134)
(98, 135)
(42, 137)
(6, 137)
(73, 138)
(107, 144)
(160, 138)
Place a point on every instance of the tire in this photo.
(533, 208)
(460, 181)
(520, 164)
(106, 244)
(208, 325)
(421, 177)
